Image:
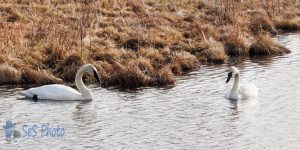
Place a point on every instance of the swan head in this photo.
(90, 69)
(233, 71)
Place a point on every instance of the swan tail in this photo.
(26, 94)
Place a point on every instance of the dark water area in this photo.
(193, 114)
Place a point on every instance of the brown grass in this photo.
(288, 24)
(135, 43)
(128, 75)
(68, 68)
(265, 45)
(54, 55)
(235, 45)
(183, 62)
(153, 55)
(14, 16)
(31, 76)
(134, 73)
(259, 21)
(9, 75)
(164, 76)
(211, 51)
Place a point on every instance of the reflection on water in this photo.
(191, 115)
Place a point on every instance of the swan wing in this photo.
(248, 91)
(53, 92)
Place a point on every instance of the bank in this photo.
(135, 43)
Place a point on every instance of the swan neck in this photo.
(80, 85)
(236, 84)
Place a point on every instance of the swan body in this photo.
(62, 92)
(238, 91)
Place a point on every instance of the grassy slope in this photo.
(131, 42)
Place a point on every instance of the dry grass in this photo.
(9, 75)
(134, 43)
(68, 68)
(235, 45)
(211, 51)
(288, 24)
(265, 45)
(164, 76)
(260, 22)
(182, 62)
(134, 73)
(14, 16)
(54, 55)
(31, 76)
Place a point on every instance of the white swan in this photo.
(239, 92)
(62, 92)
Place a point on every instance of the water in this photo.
(191, 115)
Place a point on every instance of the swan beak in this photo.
(97, 77)
(229, 77)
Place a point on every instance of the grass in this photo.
(288, 24)
(31, 76)
(14, 15)
(67, 69)
(210, 51)
(9, 75)
(265, 45)
(135, 43)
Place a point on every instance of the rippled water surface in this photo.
(191, 115)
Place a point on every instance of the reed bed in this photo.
(134, 43)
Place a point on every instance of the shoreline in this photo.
(135, 44)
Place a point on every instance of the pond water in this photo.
(193, 114)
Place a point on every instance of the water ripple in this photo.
(191, 115)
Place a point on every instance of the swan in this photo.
(62, 92)
(239, 92)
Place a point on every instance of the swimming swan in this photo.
(62, 92)
(239, 92)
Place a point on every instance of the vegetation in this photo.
(133, 42)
